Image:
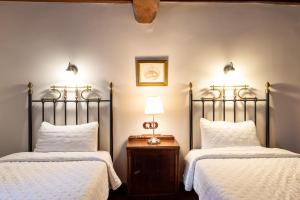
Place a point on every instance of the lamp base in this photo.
(153, 140)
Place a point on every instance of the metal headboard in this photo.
(65, 101)
(237, 98)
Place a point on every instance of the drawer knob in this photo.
(136, 172)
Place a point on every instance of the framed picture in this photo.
(151, 72)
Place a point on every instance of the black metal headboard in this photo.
(237, 98)
(65, 102)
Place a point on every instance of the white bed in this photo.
(57, 175)
(243, 173)
(232, 164)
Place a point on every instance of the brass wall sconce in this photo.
(79, 90)
(228, 68)
(72, 68)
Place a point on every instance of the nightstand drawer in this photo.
(152, 169)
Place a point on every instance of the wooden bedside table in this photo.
(152, 170)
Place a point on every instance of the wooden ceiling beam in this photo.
(74, 1)
(130, 1)
(145, 10)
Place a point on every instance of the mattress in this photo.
(243, 173)
(57, 175)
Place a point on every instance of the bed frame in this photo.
(65, 101)
(238, 97)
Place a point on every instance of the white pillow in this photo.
(227, 134)
(67, 138)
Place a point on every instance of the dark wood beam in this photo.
(145, 10)
(240, 1)
(130, 1)
(74, 1)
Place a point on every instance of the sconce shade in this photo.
(72, 68)
(153, 106)
(229, 67)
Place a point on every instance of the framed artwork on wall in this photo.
(152, 72)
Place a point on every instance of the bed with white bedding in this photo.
(57, 175)
(232, 164)
(243, 173)
(67, 163)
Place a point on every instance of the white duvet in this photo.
(57, 175)
(243, 173)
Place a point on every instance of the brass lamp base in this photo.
(153, 140)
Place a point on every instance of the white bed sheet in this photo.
(244, 174)
(51, 176)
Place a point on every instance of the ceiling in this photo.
(145, 10)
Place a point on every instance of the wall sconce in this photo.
(72, 68)
(229, 68)
(230, 88)
(62, 90)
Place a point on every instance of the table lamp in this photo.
(153, 107)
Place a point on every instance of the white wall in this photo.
(37, 40)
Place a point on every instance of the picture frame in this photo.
(152, 72)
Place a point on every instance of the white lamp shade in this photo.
(154, 106)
